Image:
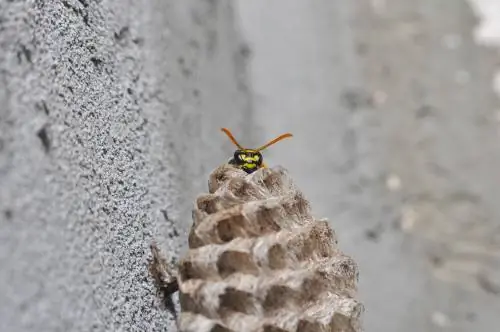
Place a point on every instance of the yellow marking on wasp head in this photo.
(251, 166)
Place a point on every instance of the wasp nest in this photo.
(259, 262)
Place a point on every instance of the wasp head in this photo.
(249, 160)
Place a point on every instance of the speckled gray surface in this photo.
(107, 113)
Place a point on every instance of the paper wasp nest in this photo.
(259, 262)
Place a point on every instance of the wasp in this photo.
(250, 160)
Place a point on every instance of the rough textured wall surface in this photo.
(106, 108)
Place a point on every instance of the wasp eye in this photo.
(259, 160)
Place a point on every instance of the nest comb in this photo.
(259, 262)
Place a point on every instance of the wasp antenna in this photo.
(277, 139)
(231, 137)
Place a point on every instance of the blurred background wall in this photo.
(109, 125)
(397, 141)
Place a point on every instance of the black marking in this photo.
(167, 218)
(44, 138)
(24, 52)
(168, 291)
(84, 3)
(44, 107)
(96, 61)
(122, 34)
(138, 41)
(165, 215)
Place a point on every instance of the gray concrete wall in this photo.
(396, 142)
(109, 113)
